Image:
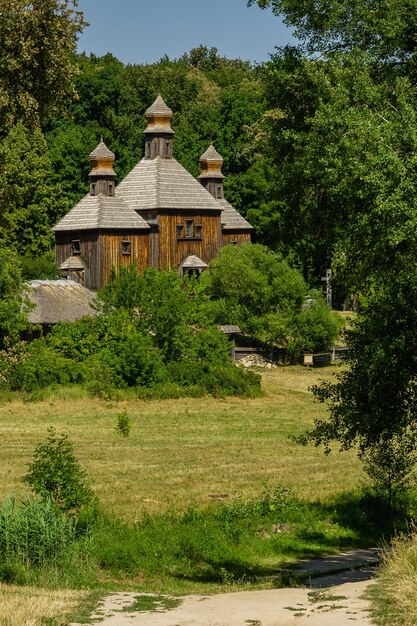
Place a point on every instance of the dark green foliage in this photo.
(30, 203)
(218, 380)
(390, 463)
(56, 474)
(39, 268)
(13, 307)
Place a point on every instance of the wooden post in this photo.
(328, 280)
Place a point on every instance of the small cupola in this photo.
(158, 133)
(102, 174)
(211, 176)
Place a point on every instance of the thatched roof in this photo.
(101, 212)
(164, 184)
(58, 301)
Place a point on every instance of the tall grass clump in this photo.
(33, 534)
(394, 598)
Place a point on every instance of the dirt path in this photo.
(340, 605)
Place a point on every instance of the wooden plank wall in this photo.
(173, 251)
(111, 251)
(89, 254)
(239, 236)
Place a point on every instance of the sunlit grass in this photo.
(29, 606)
(182, 451)
(394, 597)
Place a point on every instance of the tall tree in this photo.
(29, 203)
(37, 69)
(349, 135)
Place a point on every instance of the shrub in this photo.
(218, 380)
(39, 366)
(56, 474)
(124, 424)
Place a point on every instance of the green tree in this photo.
(55, 473)
(30, 204)
(256, 289)
(346, 130)
(373, 404)
(13, 307)
(384, 27)
(37, 43)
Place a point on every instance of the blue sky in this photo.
(142, 31)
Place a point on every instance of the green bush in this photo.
(217, 380)
(56, 474)
(40, 366)
(123, 424)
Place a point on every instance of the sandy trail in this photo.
(278, 607)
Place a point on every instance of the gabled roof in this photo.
(232, 219)
(101, 212)
(164, 184)
(72, 263)
(58, 301)
(193, 262)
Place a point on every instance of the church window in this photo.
(75, 247)
(180, 231)
(189, 228)
(126, 248)
(197, 231)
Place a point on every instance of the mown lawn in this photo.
(182, 451)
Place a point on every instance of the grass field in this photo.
(200, 452)
(182, 451)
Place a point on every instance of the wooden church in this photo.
(159, 215)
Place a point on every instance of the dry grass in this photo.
(395, 595)
(29, 606)
(182, 451)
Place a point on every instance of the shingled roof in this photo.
(159, 108)
(102, 151)
(101, 212)
(72, 263)
(193, 262)
(59, 301)
(232, 219)
(164, 184)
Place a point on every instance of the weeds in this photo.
(152, 603)
(124, 424)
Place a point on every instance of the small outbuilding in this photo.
(58, 301)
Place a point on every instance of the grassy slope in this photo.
(182, 451)
(394, 597)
